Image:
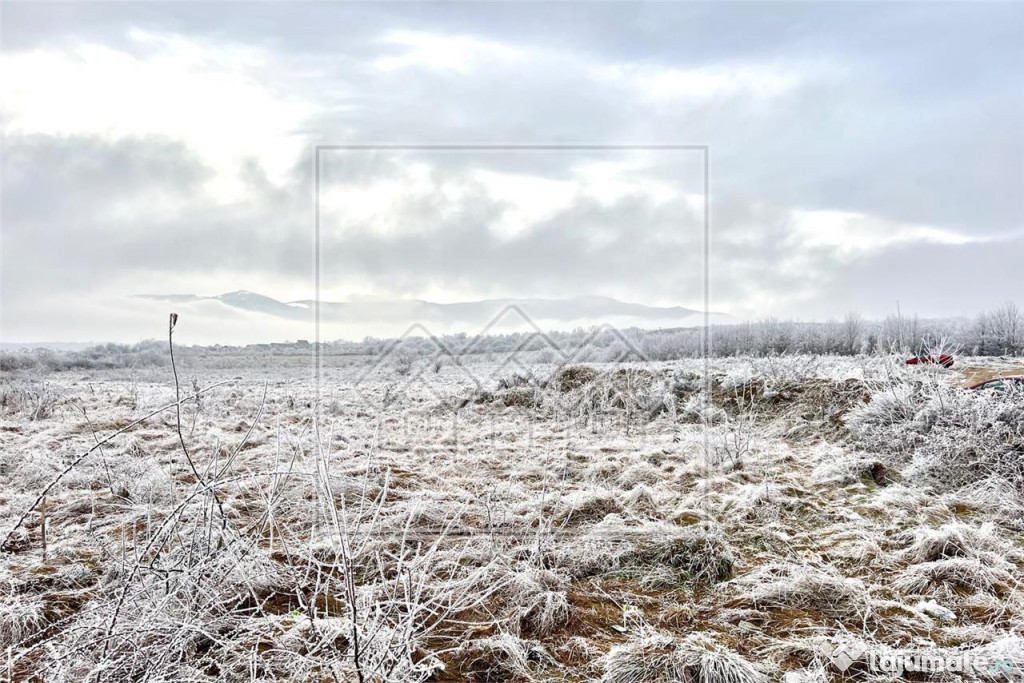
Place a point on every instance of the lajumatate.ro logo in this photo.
(847, 654)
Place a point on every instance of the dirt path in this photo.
(972, 374)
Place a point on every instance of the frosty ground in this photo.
(607, 521)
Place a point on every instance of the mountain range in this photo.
(573, 310)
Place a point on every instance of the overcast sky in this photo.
(859, 155)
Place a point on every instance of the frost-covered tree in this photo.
(853, 330)
(1000, 332)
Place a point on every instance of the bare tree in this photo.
(853, 329)
(1008, 326)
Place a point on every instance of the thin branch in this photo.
(98, 445)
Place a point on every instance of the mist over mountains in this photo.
(469, 316)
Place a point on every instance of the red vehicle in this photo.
(1014, 382)
(945, 360)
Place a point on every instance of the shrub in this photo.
(824, 591)
(575, 376)
(701, 551)
(951, 437)
(955, 574)
(661, 658)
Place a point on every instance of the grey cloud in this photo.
(48, 177)
(80, 211)
(909, 113)
(557, 255)
(932, 279)
(272, 232)
(650, 252)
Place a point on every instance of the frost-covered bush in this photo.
(501, 657)
(538, 599)
(640, 473)
(696, 409)
(575, 376)
(969, 436)
(701, 551)
(850, 469)
(951, 436)
(101, 357)
(660, 658)
(821, 590)
(637, 392)
(887, 414)
(685, 383)
(585, 505)
(32, 399)
(20, 617)
(958, 539)
(956, 574)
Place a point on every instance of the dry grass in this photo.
(661, 658)
(578, 530)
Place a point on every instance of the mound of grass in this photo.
(817, 591)
(951, 437)
(700, 550)
(955, 575)
(501, 657)
(585, 506)
(824, 403)
(573, 377)
(662, 658)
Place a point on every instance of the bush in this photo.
(575, 376)
(35, 400)
(952, 437)
(102, 357)
(701, 551)
(661, 657)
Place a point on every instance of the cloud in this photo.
(83, 214)
(943, 279)
(166, 148)
(219, 101)
(662, 83)
(456, 53)
(852, 235)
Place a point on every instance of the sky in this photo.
(859, 155)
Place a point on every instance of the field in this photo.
(727, 522)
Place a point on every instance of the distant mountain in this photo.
(584, 308)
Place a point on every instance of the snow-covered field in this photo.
(615, 523)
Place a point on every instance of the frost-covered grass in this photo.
(611, 522)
